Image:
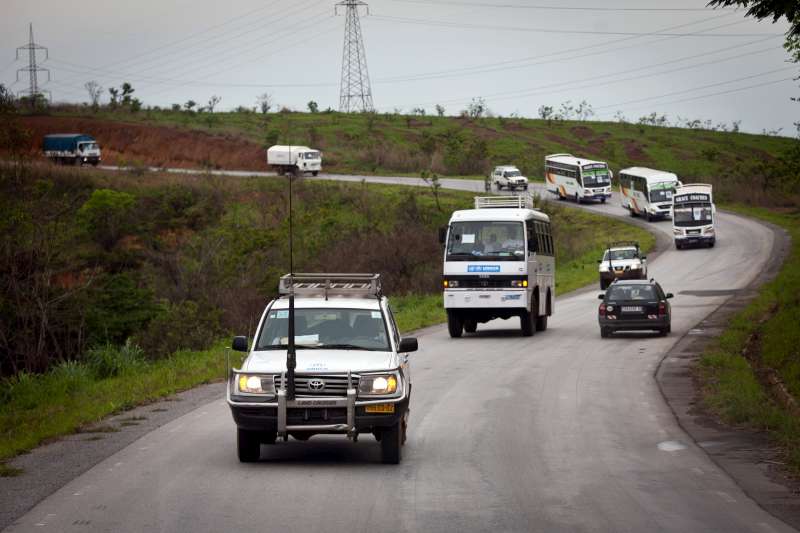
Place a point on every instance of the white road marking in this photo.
(671, 446)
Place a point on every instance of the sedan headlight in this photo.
(378, 384)
(255, 384)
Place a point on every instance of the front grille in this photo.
(334, 384)
(475, 282)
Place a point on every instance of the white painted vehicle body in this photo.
(294, 159)
(508, 177)
(647, 192)
(577, 178)
(622, 261)
(498, 261)
(693, 214)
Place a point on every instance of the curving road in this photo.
(559, 432)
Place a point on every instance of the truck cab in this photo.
(294, 159)
(498, 263)
(352, 373)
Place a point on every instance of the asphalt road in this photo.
(563, 431)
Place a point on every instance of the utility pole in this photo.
(33, 92)
(355, 93)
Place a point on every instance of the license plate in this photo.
(631, 308)
(380, 408)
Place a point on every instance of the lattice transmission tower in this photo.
(33, 70)
(355, 93)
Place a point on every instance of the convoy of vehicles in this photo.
(578, 179)
(634, 305)
(352, 367)
(71, 149)
(693, 215)
(498, 263)
(294, 159)
(508, 177)
(622, 260)
(647, 192)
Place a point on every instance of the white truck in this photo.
(294, 159)
(693, 215)
(499, 262)
(510, 177)
(71, 149)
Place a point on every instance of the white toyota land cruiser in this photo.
(352, 373)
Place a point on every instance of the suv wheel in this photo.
(455, 325)
(391, 444)
(248, 446)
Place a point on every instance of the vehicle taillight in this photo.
(662, 309)
(602, 309)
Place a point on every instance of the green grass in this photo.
(731, 388)
(70, 399)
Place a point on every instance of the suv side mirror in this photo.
(442, 234)
(239, 344)
(644, 258)
(408, 344)
(669, 295)
(601, 296)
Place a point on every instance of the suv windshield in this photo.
(512, 173)
(498, 241)
(631, 292)
(617, 255)
(349, 329)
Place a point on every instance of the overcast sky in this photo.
(516, 54)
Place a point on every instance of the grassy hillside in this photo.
(395, 144)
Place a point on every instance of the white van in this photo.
(579, 179)
(647, 192)
(499, 262)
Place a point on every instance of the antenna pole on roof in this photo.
(291, 352)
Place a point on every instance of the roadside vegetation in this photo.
(120, 288)
(762, 339)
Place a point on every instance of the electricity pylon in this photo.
(33, 70)
(355, 93)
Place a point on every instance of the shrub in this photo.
(107, 215)
(108, 361)
(183, 326)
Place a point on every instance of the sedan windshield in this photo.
(631, 292)
(348, 329)
(498, 241)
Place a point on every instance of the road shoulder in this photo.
(747, 456)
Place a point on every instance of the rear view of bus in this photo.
(581, 180)
(693, 216)
(499, 262)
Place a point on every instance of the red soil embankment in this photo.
(160, 146)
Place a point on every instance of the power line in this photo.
(553, 8)
(561, 31)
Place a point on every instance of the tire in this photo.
(633, 213)
(248, 446)
(455, 325)
(470, 326)
(577, 199)
(605, 332)
(711, 244)
(314, 172)
(603, 284)
(678, 246)
(392, 444)
(77, 162)
(528, 320)
(603, 200)
(663, 332)
(647, 216)
(541, 323)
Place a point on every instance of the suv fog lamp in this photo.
(256, 384)
(380, 384)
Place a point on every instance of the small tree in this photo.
(212, 103)
(114, 93)
(584, 110)
(432, 180)
(127, 92)
(6, 101)
(265, 102)
(477, 107)
(313, 107)
(95, 90)
(440, 110)
(176, 107)
(546, 113)
(107, 215)
(189, 105)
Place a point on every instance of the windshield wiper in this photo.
(345, 346)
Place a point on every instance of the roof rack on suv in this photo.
(324, 284)
(519, 201)
(619, 244)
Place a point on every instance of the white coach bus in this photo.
(579, 179)
(499, 262)
(647, 192)
(693, 215)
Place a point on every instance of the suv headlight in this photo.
(603, 268)
(676, 231)
(708, 230)
(255, 384)
(378, 384)
(636, 266)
